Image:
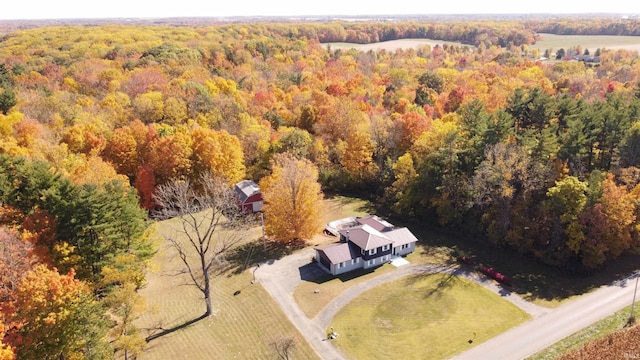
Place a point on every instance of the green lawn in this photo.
(422, 317)
(313, 296)
(243, 327)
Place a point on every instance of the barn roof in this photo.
(245, 188)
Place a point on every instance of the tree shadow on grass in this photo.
(162, 331)
(446, 280)
(531, 279)
(259, 251)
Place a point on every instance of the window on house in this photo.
(373, 251)
(386, 247)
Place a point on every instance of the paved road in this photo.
(281, 277)
(539, 333)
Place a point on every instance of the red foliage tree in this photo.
(146, 184)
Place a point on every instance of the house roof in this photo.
(245, 188)
(375, 222)
(366, 237)
(401, 236)
(339, 252)
(364, 233)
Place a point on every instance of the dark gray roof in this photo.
(339, 252)
(366, 237)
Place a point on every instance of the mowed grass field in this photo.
(390, 45)
(422, 317)
(243, 326)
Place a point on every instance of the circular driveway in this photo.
(280, 278)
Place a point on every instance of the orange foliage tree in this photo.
(293, 199)
(56, 316)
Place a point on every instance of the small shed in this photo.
(249, 196)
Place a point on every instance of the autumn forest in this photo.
(482, 138)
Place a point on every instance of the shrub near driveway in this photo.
(422, 317)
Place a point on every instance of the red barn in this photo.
(249, 196)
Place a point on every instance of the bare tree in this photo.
(210, 224)
(283, 346)
(16, 259)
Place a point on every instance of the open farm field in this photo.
(390, 45)
(549, 41)
(591, 42)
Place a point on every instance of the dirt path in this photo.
(281, 277)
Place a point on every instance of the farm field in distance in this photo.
(549, 41)
(591, 42)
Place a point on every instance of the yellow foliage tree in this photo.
(217, 152)
(94, 170)
(358, 157)
(149, 107)
(293, 199)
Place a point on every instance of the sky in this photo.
(73, 9)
